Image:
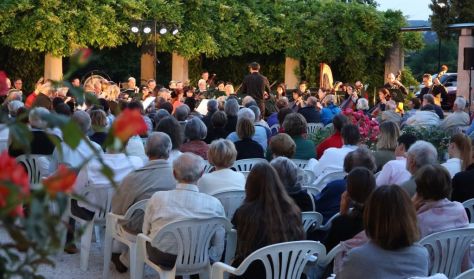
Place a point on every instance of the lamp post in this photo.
(146, 27)
(442, 5)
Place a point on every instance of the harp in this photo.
(325, 77)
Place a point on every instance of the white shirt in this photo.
(120, 164)
(453, 166)
(393, 172)
(74, 158)
(4, 132)
(175, 153)
(331, 161)
(185, 202)
(423, 118)
(136, 148)
(221, 181)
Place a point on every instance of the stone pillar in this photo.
(394, 59)
(53, 67)
(147, 64)
(466, 39)
(179, 68)
(291, 66)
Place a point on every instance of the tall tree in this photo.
(450, 11)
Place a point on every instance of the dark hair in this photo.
(167, 106)
(390, 218)
(191, 103)
(282, 113)
(57, 101)
(361, 157)
(136, 105)
(360, 184)
(219, 119)
(338, 121)
(407, 140)
(170, 126)
(416, 102)
(254, 66)
(105, 105)
(282, 103)
(295, 124)
(63, 109)
(350, 134)
(268, 215)
(433, 182)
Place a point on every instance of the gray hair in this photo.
(160, 114)
(429, 98)
(391, 105)
(158, 145)
(188, 168)
(83, 119)
(460, 103)
(182, 112)
(362, 104)
(246, 100)
(246, 113)
(13, 107)
(423, 153)
(37, 117)
(231, 107)
(14, 94)
(256, 111)
(289, 173)
(195, 129)
(212, 105)
(311, 101)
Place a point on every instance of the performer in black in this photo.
(255, 85)
(396, 88)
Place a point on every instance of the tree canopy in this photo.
(448, 12)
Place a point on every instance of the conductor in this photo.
(255, 86)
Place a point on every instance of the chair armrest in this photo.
(231, 245)
(218, 269)
(115, 217)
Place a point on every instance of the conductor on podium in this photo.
(255, 85)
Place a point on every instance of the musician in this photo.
(76, 83)
(202, 92)
(221, 86)
(280, 91)
(359, 88)
(440, 93)
(255, 85)
(394, 84)
(298, 101)
(303, 89)
(151, 84)
(384, 97)
(229, 89)
(209, 81)
(428, 86)
(351, 100)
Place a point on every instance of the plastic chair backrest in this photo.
(324, 179)
(447, 249)
(103, 193)
(140, 205)
(300, 163)
(328, 224)
(208, 167)
(231, 200)
(284, 260)
(311, 218)
(308, 177)
(193, 238)
(3, 145)
(469, 205)
(468, 274)
(330, 256)
(312, 128)
(246, 165)
(35, 166)
(312, 190)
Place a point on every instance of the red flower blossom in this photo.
(82, 56)
(3, 84)
(129, 123)
(61, 181)
(12, 174)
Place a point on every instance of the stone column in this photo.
(291, 79)
(147, 64)
(53, 67)
(466, 39)
(394, 59)
(179, 68)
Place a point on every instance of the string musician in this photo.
(397, 90)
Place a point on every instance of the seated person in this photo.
(222, 155)
(195, 133)
(459, 151)
(260, 135)
(184, 202)
(246, 147)
(386, 143)
(335, 140)
(462, 190)
(282, 145)
(392, 251)
(457, 120)
(141, 184)
(309, 111)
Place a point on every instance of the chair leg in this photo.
(97, 234)
(132, 254)
(205, 274)
(86, 240)
(137, 255)
(167, 274)
(107, 254)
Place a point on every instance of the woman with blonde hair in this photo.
(386, 143)
(459, 151)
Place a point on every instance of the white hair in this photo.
(362, 104)
(246, 113)
(37, 118)
(391, 105)
(423, 153)
(201, 81)
(188, 168)
(460, 103)
(158, 145)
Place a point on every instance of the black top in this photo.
(311, 114)
(231, 124)
(248, 149)
(463, 185)
(99, 138)
(215, 133)
(423, 91)
(254, 85)
(39, 145)
(343, 227)
(303, 200)
(42, 101)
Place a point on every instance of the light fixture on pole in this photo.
(147, 30)
(163, 30)
(175, 30)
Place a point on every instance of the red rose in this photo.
(129, 123)
(12, 173)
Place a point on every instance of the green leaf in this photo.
(72, 134)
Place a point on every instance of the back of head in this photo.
(391, 105)
(158, 146)
(282, 113)
(181, 113)
(390, 218)
(416, 103)
(170, 126)
(222, 153)
(460, 103)
(188, 168)
(463, 144)
(256, 111)
(219, 119)
(429, 98)
(389, 133)
(295, 124)
(350, 134)
(231, 107)
(362, 104)
(191, 103)
(282, 145)
(254, 66)
(433, 182)
(246, 113)
(248, 101)
(338, 121)
(245, 128)
(212, 105)
(282, 103)
(37, 118)
(98, 119)
(289, 173)
(136, 105)
(360, 184)
(195, 129)
(361, 157)
(83, 119)
(407, 140)
(311, 101)
(422, 153)
(13, 107)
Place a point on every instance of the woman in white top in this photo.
(459, 151)
(221, 155)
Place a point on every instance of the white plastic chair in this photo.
(311, 218)
(275, 128)
(208, 167)
(231, 200)
(447, 249)
(114, 231)
(308, 177)
(469, 274)
(324, 179)
(323, 262)
(102, 193)
(328, 224)
(36, 166)
(469, 205)
(300, 163)
(3, 145)
(312, 190)
(193, 239)
(312, 128)
(283, 260)
(244, 166)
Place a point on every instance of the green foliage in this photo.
(27, 65)
(409, 80)
(450, 11)
(438, 137)
(321, 134)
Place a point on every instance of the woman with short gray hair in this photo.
(291, 177)
(231, 108)
(195, 131)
